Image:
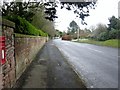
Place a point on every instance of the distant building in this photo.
(119, 9)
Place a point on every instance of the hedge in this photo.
(24, 27)
(29, 29)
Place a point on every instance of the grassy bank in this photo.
(110, 43)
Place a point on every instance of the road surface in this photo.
(97, 65)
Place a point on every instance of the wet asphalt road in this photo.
(97, 65)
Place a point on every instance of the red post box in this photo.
(2, 50)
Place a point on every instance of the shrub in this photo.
(118, 34)
(103, 36)
(24, 27)
(113, 34)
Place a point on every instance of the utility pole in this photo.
(78, 35)
(119, 9)
(78, 29)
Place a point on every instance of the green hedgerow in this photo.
(24, 27)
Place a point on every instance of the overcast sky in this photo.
(104, 10)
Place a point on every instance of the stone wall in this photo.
(7, 65)
(20, 50)
(26, 49)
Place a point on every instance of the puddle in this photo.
(42, 61)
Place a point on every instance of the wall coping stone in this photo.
(6, 22)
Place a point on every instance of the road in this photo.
(96, 65)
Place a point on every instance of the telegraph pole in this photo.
(119, 9)
(78, 35)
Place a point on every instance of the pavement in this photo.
(50, 69)
(97, 65)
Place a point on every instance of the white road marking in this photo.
(95, 50)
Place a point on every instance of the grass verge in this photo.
(111, 43)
